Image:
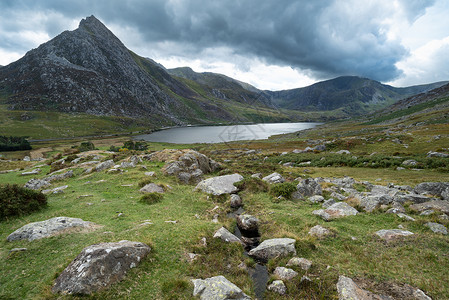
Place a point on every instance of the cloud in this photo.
(319, 38)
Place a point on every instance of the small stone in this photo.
(236, 201)
(226, 236)
(303, 263)
(285, 273)
(274, 178)
(404, 216)
(320, 232)
(152, 188)
(392, 234)
(278, 286)
(17, 250)
(217, 288)
(151, 174)
(427, 212)
(316, 199)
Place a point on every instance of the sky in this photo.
(271, 44)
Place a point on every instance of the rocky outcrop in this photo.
(36, 184)
(437, 228)
(220, 185)
(441, 205)
(274, 248)
(309, 187)
(217, 288)
(54, 226)
(274, 178)
(99, 266)
(439, 189)
(152, 188)
(104, 165)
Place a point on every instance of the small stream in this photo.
(259, 274)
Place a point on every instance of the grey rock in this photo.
(437, 154)
(285, 273)
(335, 211)
(220, 185)
(151, 174)
(33, 172)
(343, 152)
(338, 196)
(316, 199)
(278, 287)
(410, 163)
(427, 212)
(26, 158)
(217, 288)
(257, 175)
(392, 234)
(247, 222)
(328, 203)
(437, 228)
(309, 187)
(50, 227)
(36, 184)
(17, 250)
(274, 178)
(104, 165)
(57, 190)
(420, 295)
(226, 236)
(301, 262)
(320, 232)
(57, 177)
(441, 205)
(414, 198)
(99, 266)
(405, 217)
(274, 248)
(127, 164)
(348, 290)
(152, 188)
(236, 201)
(440, 189)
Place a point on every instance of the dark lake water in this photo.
(220, 134)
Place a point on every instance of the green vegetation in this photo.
(86, 146)
(19, 201)
(13, 143)
(284, 189)
(151, 198)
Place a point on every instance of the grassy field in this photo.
(420, 261)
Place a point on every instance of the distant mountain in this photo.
(355, 95)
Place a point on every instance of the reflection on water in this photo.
(220, 134)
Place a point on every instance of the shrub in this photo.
(114, 148)
(144, 182)
(86, 146)
(131, 145)
(284, 189)
(18, 201)
(151, 198)
(13, 143)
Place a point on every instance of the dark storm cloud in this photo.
(326, 38)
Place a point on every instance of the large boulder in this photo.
(57, 177)
(309, 187)
(437, 228)
(220, 185)
(54, 226)
(104, 165)
(187, 165)
(274, 248)
(335, 211)
(248, 223)
(152, 188)
(98, 266)
(217, 288)
(440, 189)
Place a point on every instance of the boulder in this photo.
(152, 188)
(220, 185)
(248, 222)
(410, 163)
(348, 290)
(437, 228)
(392, 234)
(301, 262)
(226, 236)
(441, 205)
(274, 178)
(217, 288)
(437, 154)
(320, 232)
(33, 172)
(127, 164)
(274, 248)
(328, 203)
(36, 184)
(278, 287)
(335, 211)
(414, 198)
(440, 189)
(236, 201)
(285, 273)
(104, 165)
(309, 187)
(57, 177)
(316, 199)
(54, 226)
(99, 266)
(57, 190)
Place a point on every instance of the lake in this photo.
(220, 134)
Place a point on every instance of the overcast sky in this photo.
(271, 44)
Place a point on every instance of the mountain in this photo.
(353, 94)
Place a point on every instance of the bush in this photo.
(86, 146)
(13, 143)
(131, 145)
(151, 198)
(18, 201)
(144, 182)
(284, 189)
